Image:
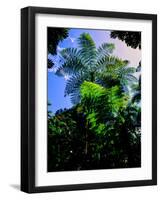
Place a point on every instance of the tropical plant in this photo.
(88, 63)
(103, 104)
(116, 123)
(102, 107)
(102, 130)
(117, 73)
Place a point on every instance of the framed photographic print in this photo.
(88, 99)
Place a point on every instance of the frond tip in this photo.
(105, 50)
(73, 86)
(87, 50)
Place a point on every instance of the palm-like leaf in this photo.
(102, 63)
(104, 51)
(87, 63)
(114, 71)
(71, 60)
(73, 86)
(87, 49)
(102, 102)
(126, 73)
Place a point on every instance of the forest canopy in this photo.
(132, 39)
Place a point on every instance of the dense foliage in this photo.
(55, 35)
(103, 128)
(132, 39)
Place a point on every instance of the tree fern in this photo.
(88, 63)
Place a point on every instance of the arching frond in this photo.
(71, 66)
(103, 63)
(68, 53)
(126, 73)
(118, 64)
(104, 50)
(130, 77)
(73, 86)
(104, 101)
(114, 71)
(75, 97)
(71, 62)
(87, 49)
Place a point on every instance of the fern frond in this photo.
(87, 50)
(68, 53)
(71, 62)
(104, 62)
(73, 86)
(104, 50)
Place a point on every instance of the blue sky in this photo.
(56, 85)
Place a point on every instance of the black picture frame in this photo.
(28, 98)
